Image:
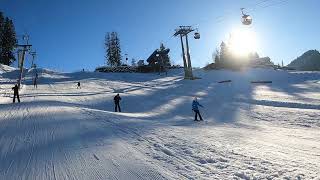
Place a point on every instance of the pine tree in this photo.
(108, 48)
(133, 62)
(116, 48)
(113, 49)
(165, 56)
(8, 42)
(253, 55)
(223, 51)
(226, 58)
(216, 57)
(1, 33)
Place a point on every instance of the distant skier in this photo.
(78, 85)
(195, 108)
(117, 100)
(16, 93)
(35, 81)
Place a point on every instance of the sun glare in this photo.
(243, 41)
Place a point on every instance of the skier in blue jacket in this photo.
(195, 108)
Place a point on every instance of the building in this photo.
(261, 62)
(140, 63)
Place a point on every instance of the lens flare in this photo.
(242, 42)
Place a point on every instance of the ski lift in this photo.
(246, 19)
(197, 35)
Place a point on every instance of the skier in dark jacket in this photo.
(195, 108)
(35, 85)
(117, 99)
(16, 93)
(35, 81)
(78, 85)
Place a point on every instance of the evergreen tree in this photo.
(133, 62)
(8, 42)
(223, 51)
(1, 33)
(216, 57)
(113, 49)
(225, 58)
(108, 56)
(165, 56)
(253, 55)
(116, 48)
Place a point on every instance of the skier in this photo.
(35, 81)
(117, 99)
(16, 93)
(78, 85)
(195, 108)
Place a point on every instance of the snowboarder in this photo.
(117, 99)
(78, 85)
(195, 108)
(16, 93)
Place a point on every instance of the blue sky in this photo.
(69, 34)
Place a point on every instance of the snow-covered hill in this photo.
(308, 61)
(8, 77)
(251, 131)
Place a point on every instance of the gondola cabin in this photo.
(246, 19)
(197, 35)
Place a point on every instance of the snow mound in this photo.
(5, 68)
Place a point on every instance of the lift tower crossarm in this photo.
(183, 30)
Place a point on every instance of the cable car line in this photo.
(246, 18)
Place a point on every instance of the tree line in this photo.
(224, 57)
(8, 40)
(113, 55)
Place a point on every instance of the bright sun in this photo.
(243, 41)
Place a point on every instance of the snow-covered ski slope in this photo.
(251, 131)
(8, 77)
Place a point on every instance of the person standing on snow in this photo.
(16, 93)
(195, 108)
(117, 100)
(78, 85)
(35, 81)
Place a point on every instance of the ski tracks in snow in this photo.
(59, 132)
(51, 141)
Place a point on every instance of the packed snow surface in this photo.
(251, 131)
